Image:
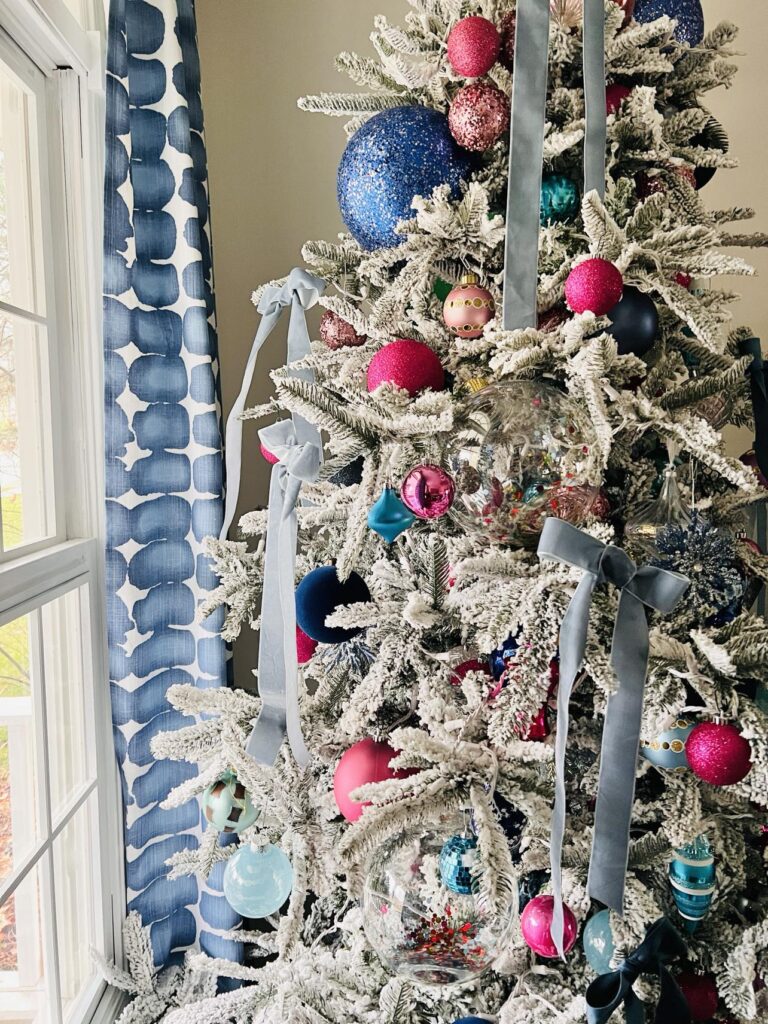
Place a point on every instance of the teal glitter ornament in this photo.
(667, 750)
(692, 877)
(598, 942)
(389, 517)
(258, 880)
(457, 856)
(559, 198)
(227, 804)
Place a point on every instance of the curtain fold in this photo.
(164, 467)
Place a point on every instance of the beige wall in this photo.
(273, 168)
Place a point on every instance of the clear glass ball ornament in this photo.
(418, 927)
(521, 454)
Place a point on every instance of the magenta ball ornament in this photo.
(479, 114)
(594, 286)
(718, 753)
(408, 364)
(468, 308)
(428, 491)
(364, 762)
(473, 46)
(337, 333)
(305, 646)
(268, 456)
(536, 925)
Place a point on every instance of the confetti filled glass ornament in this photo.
(646, 522)
(396, 155)
(227, 804)
(508, 31)
(688, 14)
(258, 880)
(389, 517)
(478, 115)
(594, 286)
(692, 877)
(718, 753)
(700, 993)
(473, 46)
(468, 308)
(667, 750)
(337, 333)
(408, 364)
(428, 491)
(597, 940)
(615, 94)
(305, 646)
(536, 926)
(457, 858)
(510, 436)
(319, 594)
(559, 198)
(634, 322)
(364, 762)
(420, 929)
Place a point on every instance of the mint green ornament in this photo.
(227, 804)
(559, 198)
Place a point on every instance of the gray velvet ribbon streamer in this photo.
(526, 148)
(641, 588)
(301, 291)
(278, 666)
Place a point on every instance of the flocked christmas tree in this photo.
(397, 856)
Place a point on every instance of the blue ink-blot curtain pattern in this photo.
(164, 468)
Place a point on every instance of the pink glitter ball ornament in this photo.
(536, 926)
(428, 491)
(468, 308)
(408, 364)
(478, 115)
(305, 646)
(270, 458)
(473, 46)
(615, 94)
(337, 333)
(594, 286)
(718, 753)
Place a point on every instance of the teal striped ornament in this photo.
(692, 877)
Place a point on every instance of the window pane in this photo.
(23, 997)
(19, 812)
(20, 249)
(26, 489)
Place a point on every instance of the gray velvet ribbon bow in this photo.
(278, 666)
(641, 588)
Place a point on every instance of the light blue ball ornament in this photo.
(692, 877)
(559, 198)
(396, 155)
(667, 750)
(258, 880)
(457, 856)
(389, 517)
(598, 942)
(688, 14)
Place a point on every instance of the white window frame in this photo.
(72, 61)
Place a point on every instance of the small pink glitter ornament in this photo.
(468, 308)
(718, 753)
(536, 924)
(594, 286)
(428, 491)
(337, 333)
(473, 46)
(479, 114)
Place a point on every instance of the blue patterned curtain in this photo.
(163, 447)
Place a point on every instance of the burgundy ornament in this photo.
(750, 459)
(718, 754)
(552, 318)
(508, 30)
(468, 308)
(428, 491)
(700, 993)
(536, 925)
(684, 280)
(473, 46)
(472, 665)
(337, 333)
(615, 94)
(478, 115)
(595, 285)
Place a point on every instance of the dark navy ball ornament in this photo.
(398, 154)
(688, 14)
(319, 594)
(634, 322)
(457, 856)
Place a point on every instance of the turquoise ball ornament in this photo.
(227, 804)
(692, 877)
(258, 880)
(667, 750)
(457, 856)
(559, 199)
(598, 942)
(389, 517)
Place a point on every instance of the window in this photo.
(61, 889)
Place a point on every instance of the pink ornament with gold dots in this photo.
(468, 308)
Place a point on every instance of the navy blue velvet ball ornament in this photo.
(471, 1020)
(319, 594)
(689, 15)
(559, 198)
(634, 322)
(398, 154)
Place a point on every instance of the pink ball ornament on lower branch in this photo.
(536, 926)
(718, 754)
(408, 364)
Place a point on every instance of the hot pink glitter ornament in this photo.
(468, 308)
(595, 285)
(536, 924)
(508, 31)
(337, 333)
(271, 459)
(407, 363)
(305, 646)
(473, 46)
(718, 753)
(428, 491)
(478, 115)
(615, 94)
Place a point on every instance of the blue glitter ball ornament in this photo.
(457, 856)
(667, 750)
(692, 877)
(258, 880)
(389, 517)
(398, 154)
(688, 14)
(559, 198)
(501, 657)
(598, 942)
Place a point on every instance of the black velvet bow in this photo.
(758, 380)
